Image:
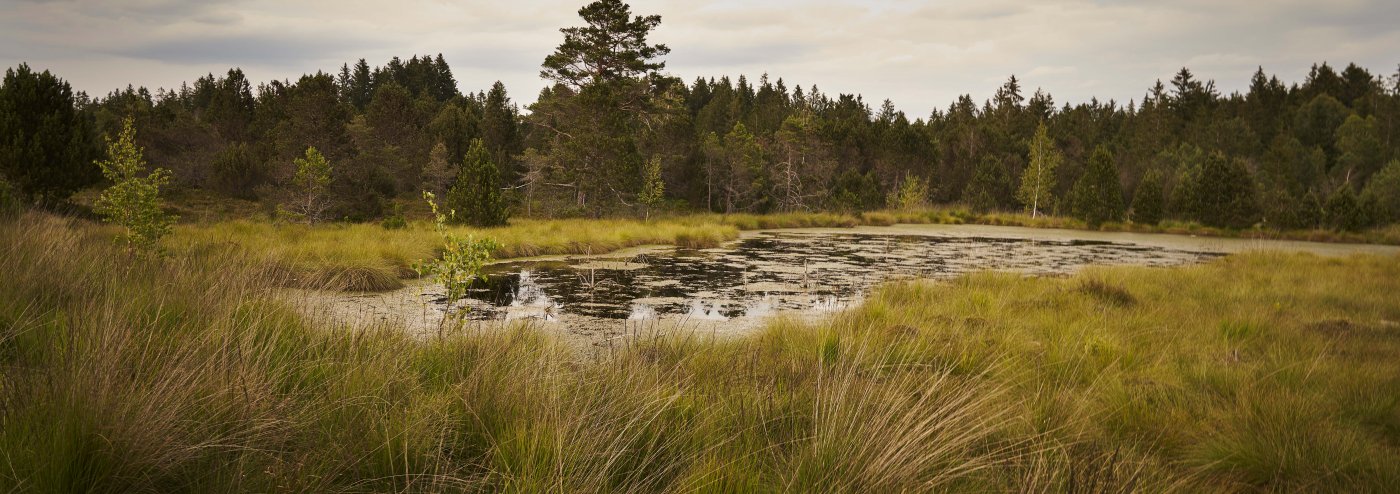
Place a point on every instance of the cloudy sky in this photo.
(921, 54)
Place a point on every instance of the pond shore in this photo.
(1219, 245)
(415, 307)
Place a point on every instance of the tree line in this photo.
(614, 133)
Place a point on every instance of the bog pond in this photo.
(773, 272)
(803, 273)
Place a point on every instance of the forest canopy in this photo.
(614, 128)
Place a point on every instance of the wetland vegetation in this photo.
(370, 281)
(1269, 371)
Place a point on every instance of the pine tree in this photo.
(606, 75)
(309, 199)
(1098, 195)
(612, 47)
(1038, 180)
(47, 146)
(476, 198)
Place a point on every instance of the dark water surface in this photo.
(808, 271)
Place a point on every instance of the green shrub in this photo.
(133, 200)
(462, 257)
(395, 220)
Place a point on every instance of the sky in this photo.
(921, 55)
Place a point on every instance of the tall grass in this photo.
(366, 257)
(185, 374)
(1260, 371)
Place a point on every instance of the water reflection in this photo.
(816, 272)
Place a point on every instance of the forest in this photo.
(615, 134)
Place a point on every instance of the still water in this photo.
(811, 272)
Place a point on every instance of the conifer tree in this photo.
(309, 198)
(1345, 211)
(1098, 196)
(1149, 202)
(438, 175)
(990, 186)
(476, 198)
(47, 146)
(1221, 193)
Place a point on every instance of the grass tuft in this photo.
(1106, 292)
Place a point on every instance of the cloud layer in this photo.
(919, 54)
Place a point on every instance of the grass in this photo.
(367, 257)
(1259, 372)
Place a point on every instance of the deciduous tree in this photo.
(1038, 180)
(133, 200)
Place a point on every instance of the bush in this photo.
(462, 257)
(395, 221)
(911, 194)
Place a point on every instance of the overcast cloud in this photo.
(920, 54)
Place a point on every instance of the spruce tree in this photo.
(1098, 196)
(990, 186)
(1224, 193)
(1149, 202)
(476, 198)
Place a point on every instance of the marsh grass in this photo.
(368, 257)
(186, 374)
